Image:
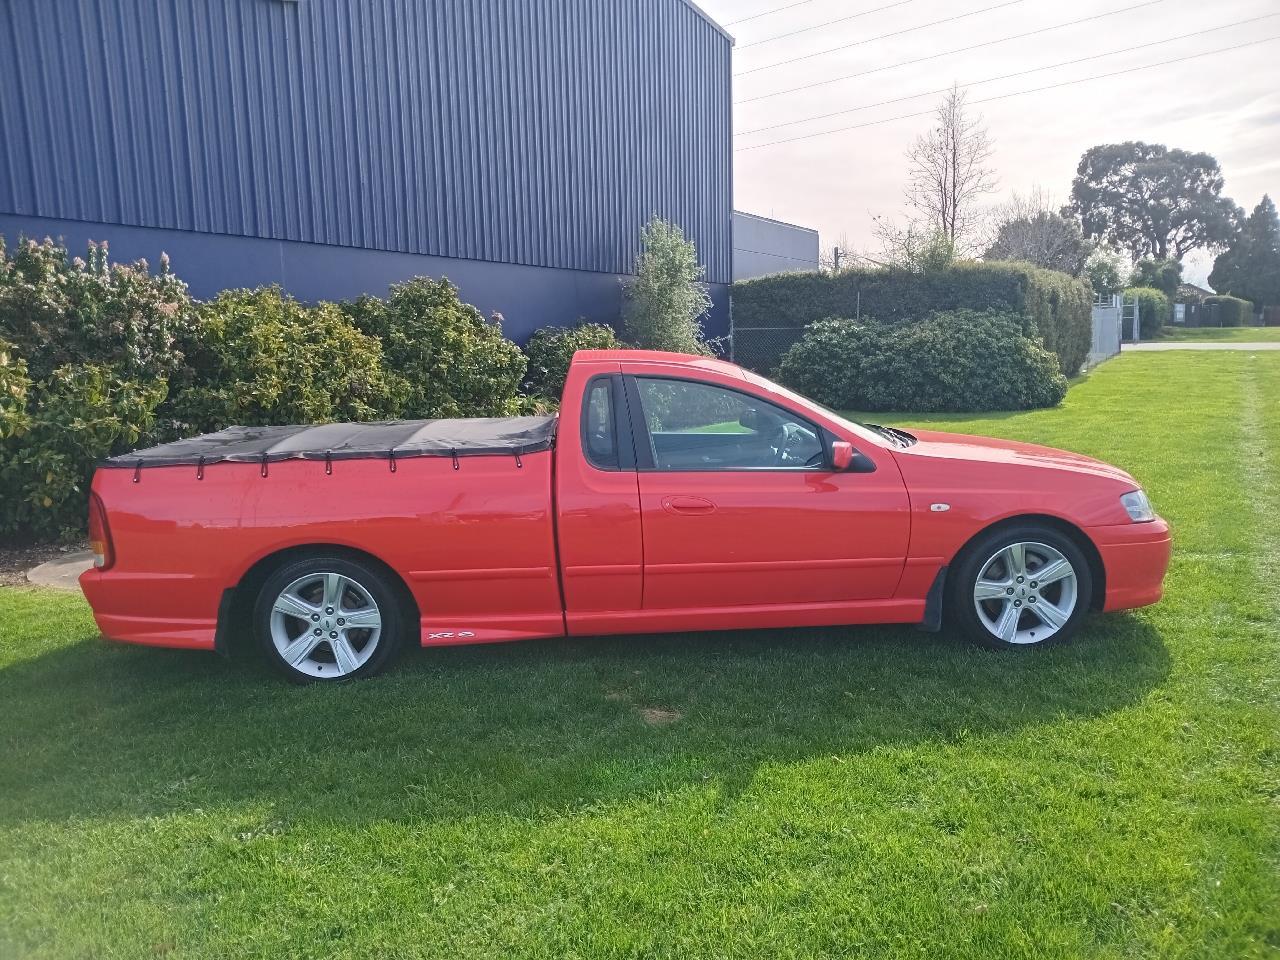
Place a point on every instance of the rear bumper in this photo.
(1135, 557)
(138, 608)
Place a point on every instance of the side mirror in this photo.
(841, 454)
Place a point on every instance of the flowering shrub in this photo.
(58, 310)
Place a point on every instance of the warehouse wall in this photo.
(527, 297)
(762, 246)
(536, 134)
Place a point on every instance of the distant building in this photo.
(762, 246)
(1190, 293)
(336, 146)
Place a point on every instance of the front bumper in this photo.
(1135, 557)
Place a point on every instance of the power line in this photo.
(828, 23)
(1010, 76)
(1016, 93)
(883, 36)
(947, 53)
(765, 13)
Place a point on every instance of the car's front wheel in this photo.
(1020, 587)
(327, 619)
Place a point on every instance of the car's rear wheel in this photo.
(326, 619)
(1020, 587)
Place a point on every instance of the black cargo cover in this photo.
(387, 439)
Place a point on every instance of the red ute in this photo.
(672, 493)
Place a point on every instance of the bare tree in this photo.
(1029, 227)
(950, 170)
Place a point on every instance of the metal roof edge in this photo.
(707, 17)
(781, 223)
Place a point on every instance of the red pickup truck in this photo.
(672, 493)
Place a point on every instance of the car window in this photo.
(599, 436)
(698, 426)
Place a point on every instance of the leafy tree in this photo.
(1250, 267)
(1105, 271)
(1152, 201)
(1162, 275)
(666, 300)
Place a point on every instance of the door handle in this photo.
(688, 505)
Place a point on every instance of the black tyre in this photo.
(328, 619)
(1019, 587)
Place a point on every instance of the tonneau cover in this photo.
(479, 436)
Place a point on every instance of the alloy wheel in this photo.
(325, 625)
(1025, 593)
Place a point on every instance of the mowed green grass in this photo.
(878, 793)
(1229, 334)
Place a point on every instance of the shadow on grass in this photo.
(95, 729)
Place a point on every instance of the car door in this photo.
(740, 505)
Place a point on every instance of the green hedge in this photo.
(1154, 310)
(260, 357)
(454, 362)
(1051, 305)
(550, 350)
(99, 358)
(1231, 311)
(86, 349)
(960, 360)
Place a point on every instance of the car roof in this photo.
(684, 360)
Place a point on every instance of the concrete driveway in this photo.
(62, 573)
(1224, 345)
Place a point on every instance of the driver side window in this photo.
(698, 426)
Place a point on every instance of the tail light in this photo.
(100, 534)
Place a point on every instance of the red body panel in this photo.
(497, 550)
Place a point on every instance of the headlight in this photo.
(1138, 507)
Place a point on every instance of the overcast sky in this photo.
(1227, 104)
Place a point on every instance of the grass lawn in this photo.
(878, 793)
(1230, 334)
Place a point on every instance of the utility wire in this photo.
(883, 36)
(765, 13)
(1016, 93)
(1010, 76)
(828, 23)
(947, 53)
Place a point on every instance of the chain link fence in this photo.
(761, 348)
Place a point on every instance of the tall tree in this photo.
(1152, 201)
(666, 299)
(1162, 275)
(949, 171)
(1250, 266)
(1028, 228)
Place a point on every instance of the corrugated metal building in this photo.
(334, 147)
(763, 246)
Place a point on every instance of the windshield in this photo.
(871, 431)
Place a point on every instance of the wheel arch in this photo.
(1097, 571)
(234, 613)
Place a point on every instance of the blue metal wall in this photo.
(533, 132)
(763, 246)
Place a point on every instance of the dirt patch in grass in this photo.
(17, 558)
(657, 717)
